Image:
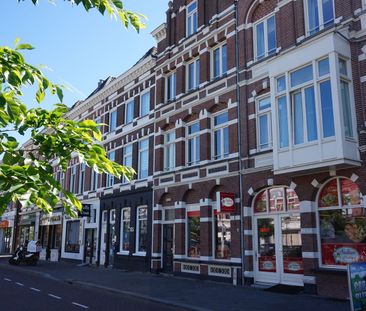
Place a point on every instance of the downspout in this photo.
(239, 142)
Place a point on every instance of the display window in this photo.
(194, 234)
(223, 235)
(72, 242)
(342, 223)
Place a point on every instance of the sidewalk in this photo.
(185, 293)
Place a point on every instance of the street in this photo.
(22, 291)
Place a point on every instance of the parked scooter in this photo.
(27, 253)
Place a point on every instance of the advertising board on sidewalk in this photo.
(357, 285)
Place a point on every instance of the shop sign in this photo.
(227, 202)
(27, 219)
(51, 219)
(343, 253)
(357, 285)
(4, 223)
(85, 212)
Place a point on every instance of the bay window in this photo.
(192, 18)
(194, 234)
(143, 170)
(125, 229)
(219, 61)
(129, 112)
(265, 37)
(264, 136)
(169, 151)
(320, 14)
(141, 239)
(342, 223)
(193, 75)
(193, 144)
(221, 136)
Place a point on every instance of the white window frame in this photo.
(130, 102)
(221, 128)
(266, 51)
(125, 156)
(320, 17)
(94, 180)
(145, 149)
(221, 69)
(82, 178)
(268, 112)
(196, 75)
(110, 177)
(112, 127)
(141, 96)
(169, 95)
(195, 136)
(140, 253)
(171, 146)
(191, 18)
(122, 251)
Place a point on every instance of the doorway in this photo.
(278, 249)
(168, 248)
(90, 246)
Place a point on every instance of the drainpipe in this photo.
(239, 142)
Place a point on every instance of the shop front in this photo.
(6, 233)
(28, 227)
(72, 238)
(50, 235)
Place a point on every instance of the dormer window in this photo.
(192, 18)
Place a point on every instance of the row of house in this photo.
(246, 125)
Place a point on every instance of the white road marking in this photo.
(20, 284)
(54, 296)
(80, 305)
(6, 279)
(35, 289)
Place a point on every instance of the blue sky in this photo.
(78, 47)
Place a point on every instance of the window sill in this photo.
(139, 254)
(123, 253)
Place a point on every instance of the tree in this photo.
(26, 171)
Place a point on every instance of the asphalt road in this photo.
(20, 291)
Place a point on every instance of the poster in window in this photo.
(350, 193)
(276, 200)
(260, 205)
(329, 195)
(342, 254)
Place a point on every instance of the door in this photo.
(168, 248)
(103, 248)
(278, 249)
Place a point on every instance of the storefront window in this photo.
(223, 236)
(141, 229)
(125, 229)
(342, 221)
(72, 237)
(194, 234)
(277, 199)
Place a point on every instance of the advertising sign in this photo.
(85, 212)
(51, 219)
(357, 285)
(227, 202)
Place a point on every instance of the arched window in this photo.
(277, 199)
(342, 223)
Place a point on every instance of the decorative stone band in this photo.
(222, 271)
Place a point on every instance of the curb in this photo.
(140, 296)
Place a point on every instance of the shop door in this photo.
(168, 248)
(278, 249)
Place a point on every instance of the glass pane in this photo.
(221, 118)
(281, 84)
(190, 151)
(260, 40)
(346, 107)
(191, 84)
(329, 195)
(298, 119)
(195, 22)
(276, 200)
(302, 75)
(265, 103)
(327, 109)
(223, 236)
(351, 194)
(313, 16)
(224, 59)
(189, 26)
(311, 114)
(129, 112)
(197, 82)
(216, 63)
(260, 205)
(197, 158)
(271, 28)
(283, 122)
(145, 104)
(266, 245)
(291, 245)
(343, 66)
(113, 120)
(192, 7)
(218, 151)
(142, 235)
(226, 141)
(194, 128)
(194, 235)
(343, 236)
(293, 202)
(263, 131)
(327, 12)
(323, 67)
